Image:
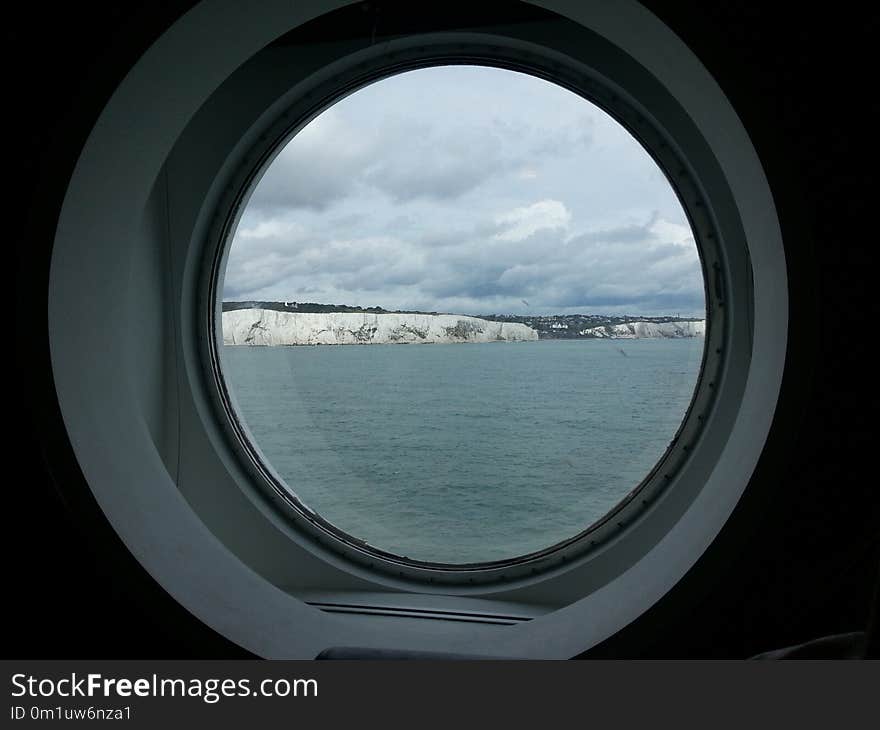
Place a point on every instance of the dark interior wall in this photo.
(799, 558)
(75, 589)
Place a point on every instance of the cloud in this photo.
(669, 232)
(273, 228)
(631, 268)
(331, 159)
(318, 167)
(408, 155)
(476, 207)
(521, 223)
(424, 161)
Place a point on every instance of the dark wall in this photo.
(800, 556)
(799, 559)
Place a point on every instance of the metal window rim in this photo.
(371, 65)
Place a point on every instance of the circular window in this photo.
(533, 242)
(488, 493)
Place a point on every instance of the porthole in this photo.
(453, 460)
(165, 449)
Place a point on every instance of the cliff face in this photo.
(263, 327)
(636, 330)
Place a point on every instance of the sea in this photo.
(463, 453)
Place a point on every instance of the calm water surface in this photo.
(464, 452)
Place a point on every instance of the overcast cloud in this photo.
(467, 190)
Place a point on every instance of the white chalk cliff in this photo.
(637, 330)
(266, 327)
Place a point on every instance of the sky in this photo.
(468, 190)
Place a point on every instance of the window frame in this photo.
(355, 72)
(154, 453)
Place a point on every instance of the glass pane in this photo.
(463, 314)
